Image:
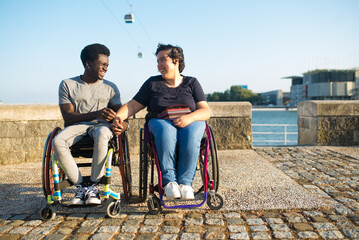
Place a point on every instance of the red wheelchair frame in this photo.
(54, 179)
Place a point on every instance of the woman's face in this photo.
(166, 66)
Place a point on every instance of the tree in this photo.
(235, 93)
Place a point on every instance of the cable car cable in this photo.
(138, 19)
(124, 29)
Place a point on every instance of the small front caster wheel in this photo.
(113, 209)
(154, 205)
(215, 202)
(47, 213)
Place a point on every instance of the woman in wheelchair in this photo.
(177, 111)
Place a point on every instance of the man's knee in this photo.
(58, 142)
(102, 134)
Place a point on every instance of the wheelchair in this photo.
(54, 179)
(207, 166)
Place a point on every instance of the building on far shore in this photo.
(275, 98)
(324, 84)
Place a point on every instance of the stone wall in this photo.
(24, 128)
(325, 123)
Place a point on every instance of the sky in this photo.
(229, 42)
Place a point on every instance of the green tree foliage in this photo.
(235, 93)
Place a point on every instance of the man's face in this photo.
(98, 68)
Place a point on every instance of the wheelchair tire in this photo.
(154, 205)
(143, 165)
(214, 160)
(215, 202)
(212, 164)
(113, 209)
(47, 213)
(47, 178)
(125, 166)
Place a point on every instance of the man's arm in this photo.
(72, 117)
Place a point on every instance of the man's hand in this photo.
(118, 126)
(107, 114)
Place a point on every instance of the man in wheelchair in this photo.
(88, 103)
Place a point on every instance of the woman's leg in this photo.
(189, 140)
(165, 140)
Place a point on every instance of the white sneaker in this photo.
(92, 196)
(172, 191)
(186, 192)
(79, 196)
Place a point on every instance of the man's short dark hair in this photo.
(174, 52)
(91, 52)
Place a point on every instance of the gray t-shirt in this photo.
(88, 97)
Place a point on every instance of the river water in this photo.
(275, 134)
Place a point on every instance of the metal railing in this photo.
(285, 133)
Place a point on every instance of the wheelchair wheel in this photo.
(113, 209)
(213, 161)
(47, 175)
(47, 213)
(215, 202)
(212, 164)
(125, 165)
(154, 205)
(143, 167)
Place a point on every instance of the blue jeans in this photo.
(167, 139)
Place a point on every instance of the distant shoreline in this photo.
(274, 109)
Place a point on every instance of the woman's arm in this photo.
(202, 113)
(126, 111)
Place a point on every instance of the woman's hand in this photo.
(202, 113)
(183, 121)
(118, 126)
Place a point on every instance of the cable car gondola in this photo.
(129, 18)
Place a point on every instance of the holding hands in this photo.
(118, 126)
(106, 114)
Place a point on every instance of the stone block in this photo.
(230, 109)
(34, 156)
(34, 143)
(307, 108)
(356, 137)
(307, 136)
(12, 129)
(11, 144)
(332, 122)
(42, 128)
(328, 108)
(232, 133)
(28, 112)
(12, 157)
(337, 108)
(307, 122)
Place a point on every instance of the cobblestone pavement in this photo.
(330, 175)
